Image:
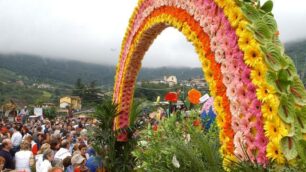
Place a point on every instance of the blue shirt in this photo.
(93, 163)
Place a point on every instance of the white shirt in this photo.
(22, 159)
(45, 166)
(16, 138)
(39, 161)
(62, 153)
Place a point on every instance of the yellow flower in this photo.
(235, 16)
(209, 75)
(220, 120)
(258, 73)
(242, 28)
(223, 137)
(270, 109)
(205, 63)
(265, 92)
(212, 87)
(246, 40)
(274, 129)
(274, 152)
(228, 160)
(252, 55)
(218, 104)
(221, 3)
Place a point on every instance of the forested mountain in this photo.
(67, 71)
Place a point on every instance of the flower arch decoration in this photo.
(258, 96)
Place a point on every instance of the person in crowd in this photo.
(5, 153)
(47, 159)
(40, 139)
(39, 157)
(63, 152)
(25, 132)
(23, 157)
(34, 147)
(67, 164)
(78, 163)
(94, 162)
(38, 129)
(2, 163)
(16, 140)
(83, 150)
(56, 169)
(76, 149)
(55, 145)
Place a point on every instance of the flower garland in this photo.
(257, 94)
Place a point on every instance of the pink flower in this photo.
(251, 91)
(251, 151)
(261, 142)
(242, 93)
(255, 107)
(227, 78)
(207, 22)
(262, 159)
(225, 67)
(219, 55)
(239, 142)
(237, 54)
(244, 125)
(245, 72)
(231, 91)
(236, 123)
(233, 65)
(213, 44)
(231, 36)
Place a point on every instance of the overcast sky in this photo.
(92, 30)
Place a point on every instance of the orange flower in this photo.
(196, 122)
(194, 96)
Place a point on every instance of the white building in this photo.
(171, 80)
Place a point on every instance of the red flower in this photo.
(196, 122)
(171, 97)
(155, 127)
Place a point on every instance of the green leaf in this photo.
(301, 119)
(301, 148)
(272, 55)
(288, 64)
(271, 23)
(286, 108)
(283, 75)
(298, 91)
(261, 29)
(288, 146)
(250, 11)
(273, 78)
(268, 6)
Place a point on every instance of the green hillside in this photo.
(50, 70)
(20, 89)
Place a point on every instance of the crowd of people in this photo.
(48, 146)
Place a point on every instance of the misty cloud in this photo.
(92, 30)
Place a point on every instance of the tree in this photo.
(89, 93)
(78, 88)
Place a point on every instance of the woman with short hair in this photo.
(23, 157)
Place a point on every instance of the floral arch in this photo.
(258, 96)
